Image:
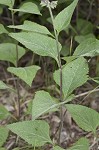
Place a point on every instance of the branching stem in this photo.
(60, 68)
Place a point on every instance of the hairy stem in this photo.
(17, 81)
(60, 67)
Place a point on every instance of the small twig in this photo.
(90, 9)
(94, 143)
(80, 95)
(87, 93)
(17, 81)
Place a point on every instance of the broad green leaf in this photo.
(74, 74)
(8, 52)
(3, 135)
(81, 38)
(89, 47)
(58, 148)
(27, 74)
(40, 44)
(3, 86)
(29, 108)
(3, 112)
(68, 59)
(49, 107)
(28, 7)
(2, 29)
(9, 3)
(84, 27)
(34, 132)
(42, 103)
(62, 20)
(32, 27)
(81, 144)
(86, 118)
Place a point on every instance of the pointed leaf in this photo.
(42, 103)
(2, 29)
(74, 74)
(28, 7)
(9, 3)
(81, 38)
(81, 144)
(58, 148)
(40, 44)
(27, 74)
(84, 27)
(32, 27)
(3, 86)
(34, 132)
(3, 135)
(3, 112)
(8, 52)
(86, 118)
(89, 47)
(63, 19)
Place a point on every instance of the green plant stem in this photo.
(17, 81)
(32, 60)
(60, 67)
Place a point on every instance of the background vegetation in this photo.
(18, 94)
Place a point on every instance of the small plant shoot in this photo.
(49, 75)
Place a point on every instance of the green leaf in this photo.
(81, 38)
(81, 144)
(3, 112)
(3, 135)
(40, 44)
(3, 86)
(28, 7)
(89, 47)
(42, 103)
(9, 3)
(2, 29)
(86, 118)
(84, 27)
(68, 59)
(62, 20)
(2, 148)
(58, 148)
(27, 74)
(8, 52)
(42, 98)
(74, 74)
(34, 132)
(32, 27)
